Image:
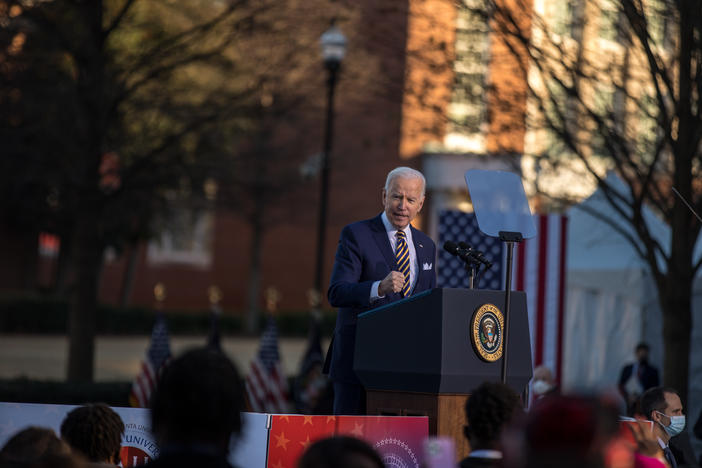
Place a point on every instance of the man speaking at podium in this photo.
(378, 261)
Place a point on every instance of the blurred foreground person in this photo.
(489, 409)
(340, 452)
(196, 410)
(95, 431)
(563, 431)
(662, 405)
(36, 447)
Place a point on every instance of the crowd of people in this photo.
(196, 408)
(196, 419)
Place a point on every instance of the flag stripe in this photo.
(561, 297)
(541, 294)
(266, 385)
(551, 278)
(157, 356)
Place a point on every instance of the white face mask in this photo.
(676, 426)
(540, 387)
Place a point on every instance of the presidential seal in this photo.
(486, 332)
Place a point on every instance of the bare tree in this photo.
(123, 77)
(618, 86)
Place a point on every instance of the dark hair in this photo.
(653, 399)
(198, 399)
(30, 445)
(340, 452)
(488, 409)
(95, 430)
(642, 346)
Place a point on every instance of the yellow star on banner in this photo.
(308, 419)
(357, 430)
(331, 418)
(282, 441)
(285, 417)
(305, 443)
(278, 464)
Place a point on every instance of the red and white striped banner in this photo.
(539, 269)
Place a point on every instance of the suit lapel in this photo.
(421, 254)
(381, 238)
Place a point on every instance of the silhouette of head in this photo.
(340, 452)
(489, 408)
(30, 446)
(198, 400)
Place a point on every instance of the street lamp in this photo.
(333, 45)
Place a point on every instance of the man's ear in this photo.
(655, 416)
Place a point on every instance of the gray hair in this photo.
(405, 173)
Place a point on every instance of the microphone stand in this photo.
(509, 238)
(471, 269)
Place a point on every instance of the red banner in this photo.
(395, 438)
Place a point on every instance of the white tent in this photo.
(612, 302)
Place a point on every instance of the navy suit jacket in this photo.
(363, 256)
(649, 376)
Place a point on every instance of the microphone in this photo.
(476, 254)
(459, 252)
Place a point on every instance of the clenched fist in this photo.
(391, 283)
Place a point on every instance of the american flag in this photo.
(538, 269)
(157, 356)
(311, 382)
(266, 384)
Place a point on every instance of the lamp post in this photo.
(333, 45)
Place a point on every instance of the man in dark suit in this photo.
(378, 261)
(662, 405)
(637, 377)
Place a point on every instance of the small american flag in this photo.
(538, 268)
(157, 356)
(266, 385)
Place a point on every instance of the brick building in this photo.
(417, 88)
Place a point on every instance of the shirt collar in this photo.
(662, 444)
(390, 229)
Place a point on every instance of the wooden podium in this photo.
(415, 357)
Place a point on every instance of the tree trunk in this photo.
(677, 326)
(252, 313)
(128, 277)
(83, 307)
(63, 267)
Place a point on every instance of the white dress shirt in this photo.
(391, 232)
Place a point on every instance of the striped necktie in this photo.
(403, 260)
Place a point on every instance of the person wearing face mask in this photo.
(637, 377)
(542, 383)
(663, 406)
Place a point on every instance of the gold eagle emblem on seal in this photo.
(487, 327)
